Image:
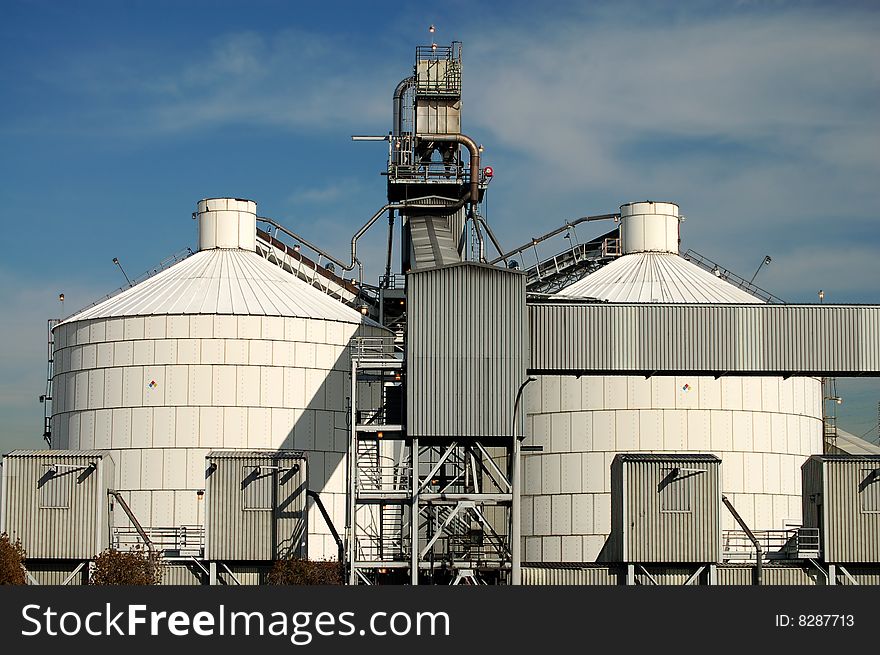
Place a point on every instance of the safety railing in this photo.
(792, 543)
(708, 265)
(184, 539)
(168, 262)
(436, 171)
(393, 281)
(376, 348)
(383, 478)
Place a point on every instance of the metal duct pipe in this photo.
(390, 244)
(473, 148)
(759, 556)
(516, 491)
(398, 101)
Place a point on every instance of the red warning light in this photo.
(488, 172)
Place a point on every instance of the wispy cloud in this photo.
(286, 80)
(763, 125)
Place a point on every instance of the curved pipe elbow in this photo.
(474, 150)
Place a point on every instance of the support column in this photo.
(515, 517)
(414, 514)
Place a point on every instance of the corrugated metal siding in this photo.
(79, 530)
(649, 533)
(235, 533)
(180, 574)
(466, 350)
(599, 576)
(852, 532)
(734, 575)
(657, 338)
(864, 575)
(774, 574)
(56, 572)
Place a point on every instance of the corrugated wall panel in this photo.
(600, 576)
(54, 573)
(655, 338)
(466, 350)
(60, 515)
(235, 533)
(178, 574)
(660, 518)
(852, 526)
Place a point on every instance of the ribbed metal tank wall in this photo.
(763, 429)
(845, 492)
(62, 515)
(663, 313)
(658, 515)
(161, 392)
(223, 350)
(466, 350)
(273, 526)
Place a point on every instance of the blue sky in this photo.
(761, 119)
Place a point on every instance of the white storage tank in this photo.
(222, 351)
(762, 428)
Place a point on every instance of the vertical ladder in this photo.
(46, 398)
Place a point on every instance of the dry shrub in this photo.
(12, 557)
(133, 567)
(304, 572)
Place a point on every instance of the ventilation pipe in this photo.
(399, 92)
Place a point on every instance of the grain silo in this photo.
(222, 351)
(762, 428)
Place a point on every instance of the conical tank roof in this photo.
(650, 270)
(226, 276)
(221, 281)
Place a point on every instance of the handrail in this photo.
(567, 225)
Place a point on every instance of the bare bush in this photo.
(12, 558)
(133, 567)
(304, 572)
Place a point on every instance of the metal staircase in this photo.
(577, 260)
(379, 477)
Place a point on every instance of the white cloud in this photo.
(762, 125)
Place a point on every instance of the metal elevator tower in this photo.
(431, 499)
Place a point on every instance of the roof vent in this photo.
(649, 227)
(227, 223)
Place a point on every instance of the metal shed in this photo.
(256, 505)
(55, 501)
(842, 500)
(466, 350)
(665, 508)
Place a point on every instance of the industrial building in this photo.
(617, 413)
